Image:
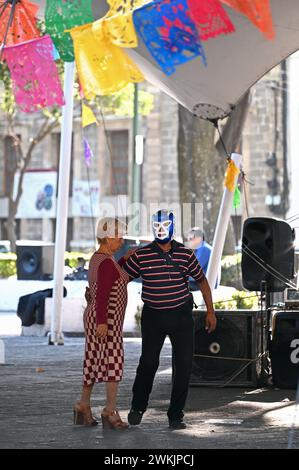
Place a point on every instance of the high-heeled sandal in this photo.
(83, 416)
(112, 420)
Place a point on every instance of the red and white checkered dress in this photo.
(104, 357)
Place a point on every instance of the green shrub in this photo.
(239, 300)
(71, 258)
(246, 300)
(225, 305)
(8, 265)
(231, 271)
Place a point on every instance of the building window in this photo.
(118, 157)
(32, 229)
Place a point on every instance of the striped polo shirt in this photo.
(163, 285)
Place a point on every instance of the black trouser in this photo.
(155, 326)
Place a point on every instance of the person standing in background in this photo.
(202, 250)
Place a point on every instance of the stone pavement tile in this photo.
(40, 384)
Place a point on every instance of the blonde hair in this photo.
(109, 227)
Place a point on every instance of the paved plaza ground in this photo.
(39, 385)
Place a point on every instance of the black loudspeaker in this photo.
(35, 260)
(267, 240)
(229, 355)
(284, 349)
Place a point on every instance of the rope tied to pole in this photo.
(215, 124)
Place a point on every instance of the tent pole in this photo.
(56, 335)
(221, 228)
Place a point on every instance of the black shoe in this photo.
(135, 417)
(177, 424)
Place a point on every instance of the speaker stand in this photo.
(266, 299)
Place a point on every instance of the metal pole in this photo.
(285, 179)
(136, 168)
(56, 335)
(292, 132)
(136, 173)
(221, 228)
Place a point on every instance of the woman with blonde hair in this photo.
(103, 325)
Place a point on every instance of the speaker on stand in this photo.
(268, 253)
(237, 352)
(268, 259)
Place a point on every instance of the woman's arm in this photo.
(106, 276)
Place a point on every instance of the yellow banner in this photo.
(88, 116)
(230, 175)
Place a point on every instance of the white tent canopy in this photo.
(234, 62)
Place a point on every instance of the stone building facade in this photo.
(264, 147)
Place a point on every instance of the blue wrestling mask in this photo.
(163, 223)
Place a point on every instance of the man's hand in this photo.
(102, 330)
(129, 253)
(210, 321)
(87, 295)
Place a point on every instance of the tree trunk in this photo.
(201, 170)
(11, 224)
(202, 165)
(12, 150)
(231, 135)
